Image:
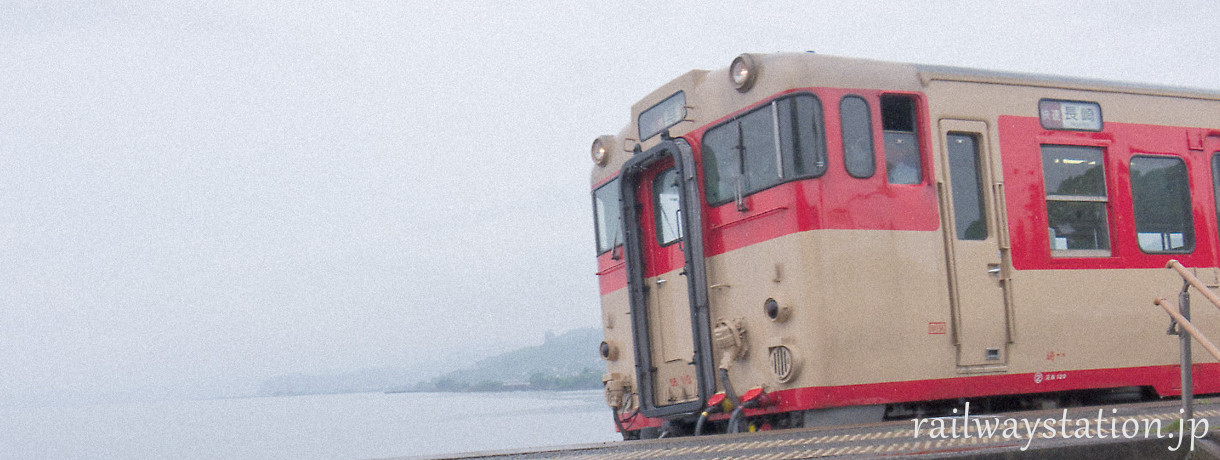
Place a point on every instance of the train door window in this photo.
(607, 216)
(857, 136)
(965, 182)
(1076, 200)
(667, 196)
(902, 165)
(1160, 193)
(771, 144)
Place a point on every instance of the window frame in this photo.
(820, 150)
(868, 129)
(914, 133)
(1215, 167)
(980, 194)
(1105, 201)
(1135, 218)
(656, 208)
(597, 231)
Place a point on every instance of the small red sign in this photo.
(937, 328)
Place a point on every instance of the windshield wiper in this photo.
(741, 169)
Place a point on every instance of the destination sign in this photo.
(1070, 115)
(660, 117)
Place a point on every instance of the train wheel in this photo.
(651, 432)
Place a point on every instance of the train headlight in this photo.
(743, 72)
(608, 351)
(600, 152)
(776, 312)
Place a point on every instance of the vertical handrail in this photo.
(1187, 369)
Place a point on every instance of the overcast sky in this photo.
(196, 196)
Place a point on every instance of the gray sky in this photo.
(197, 197)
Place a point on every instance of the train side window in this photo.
(607, 216)
(1160, 193)
(666, 199)
(1216, 184)
(857, 137)
(1076, 200)
(902, 165)
(965, 182)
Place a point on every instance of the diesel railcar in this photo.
(818, 238)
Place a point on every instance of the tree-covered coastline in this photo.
(567, 361)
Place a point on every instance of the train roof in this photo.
(710, 95)
(965, 74)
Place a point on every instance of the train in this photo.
(800, 239)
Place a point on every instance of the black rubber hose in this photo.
(734, 423)
(618, 423)
(699, 424)
(728, 387)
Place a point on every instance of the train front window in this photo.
(777, 142)
(741, 155)
(901, 141)
(1160, 192)
(756, 150)
(800, 132)
(607, 216)
(1076, 200)
(667, 199)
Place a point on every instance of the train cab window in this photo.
(857, 137)
(739, 157)
(1160, 192)
(966, 184)
(1076, 200)
(799, 124)
(777, 142)
(607, 216)
(902, 165)
(666, 199)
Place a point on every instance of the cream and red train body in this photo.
(761, 222)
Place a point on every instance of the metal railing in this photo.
(1181, 322)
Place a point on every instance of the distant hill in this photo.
(563, 362)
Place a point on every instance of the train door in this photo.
(971, 197)
(668, 289)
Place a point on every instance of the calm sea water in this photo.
(350, 426)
